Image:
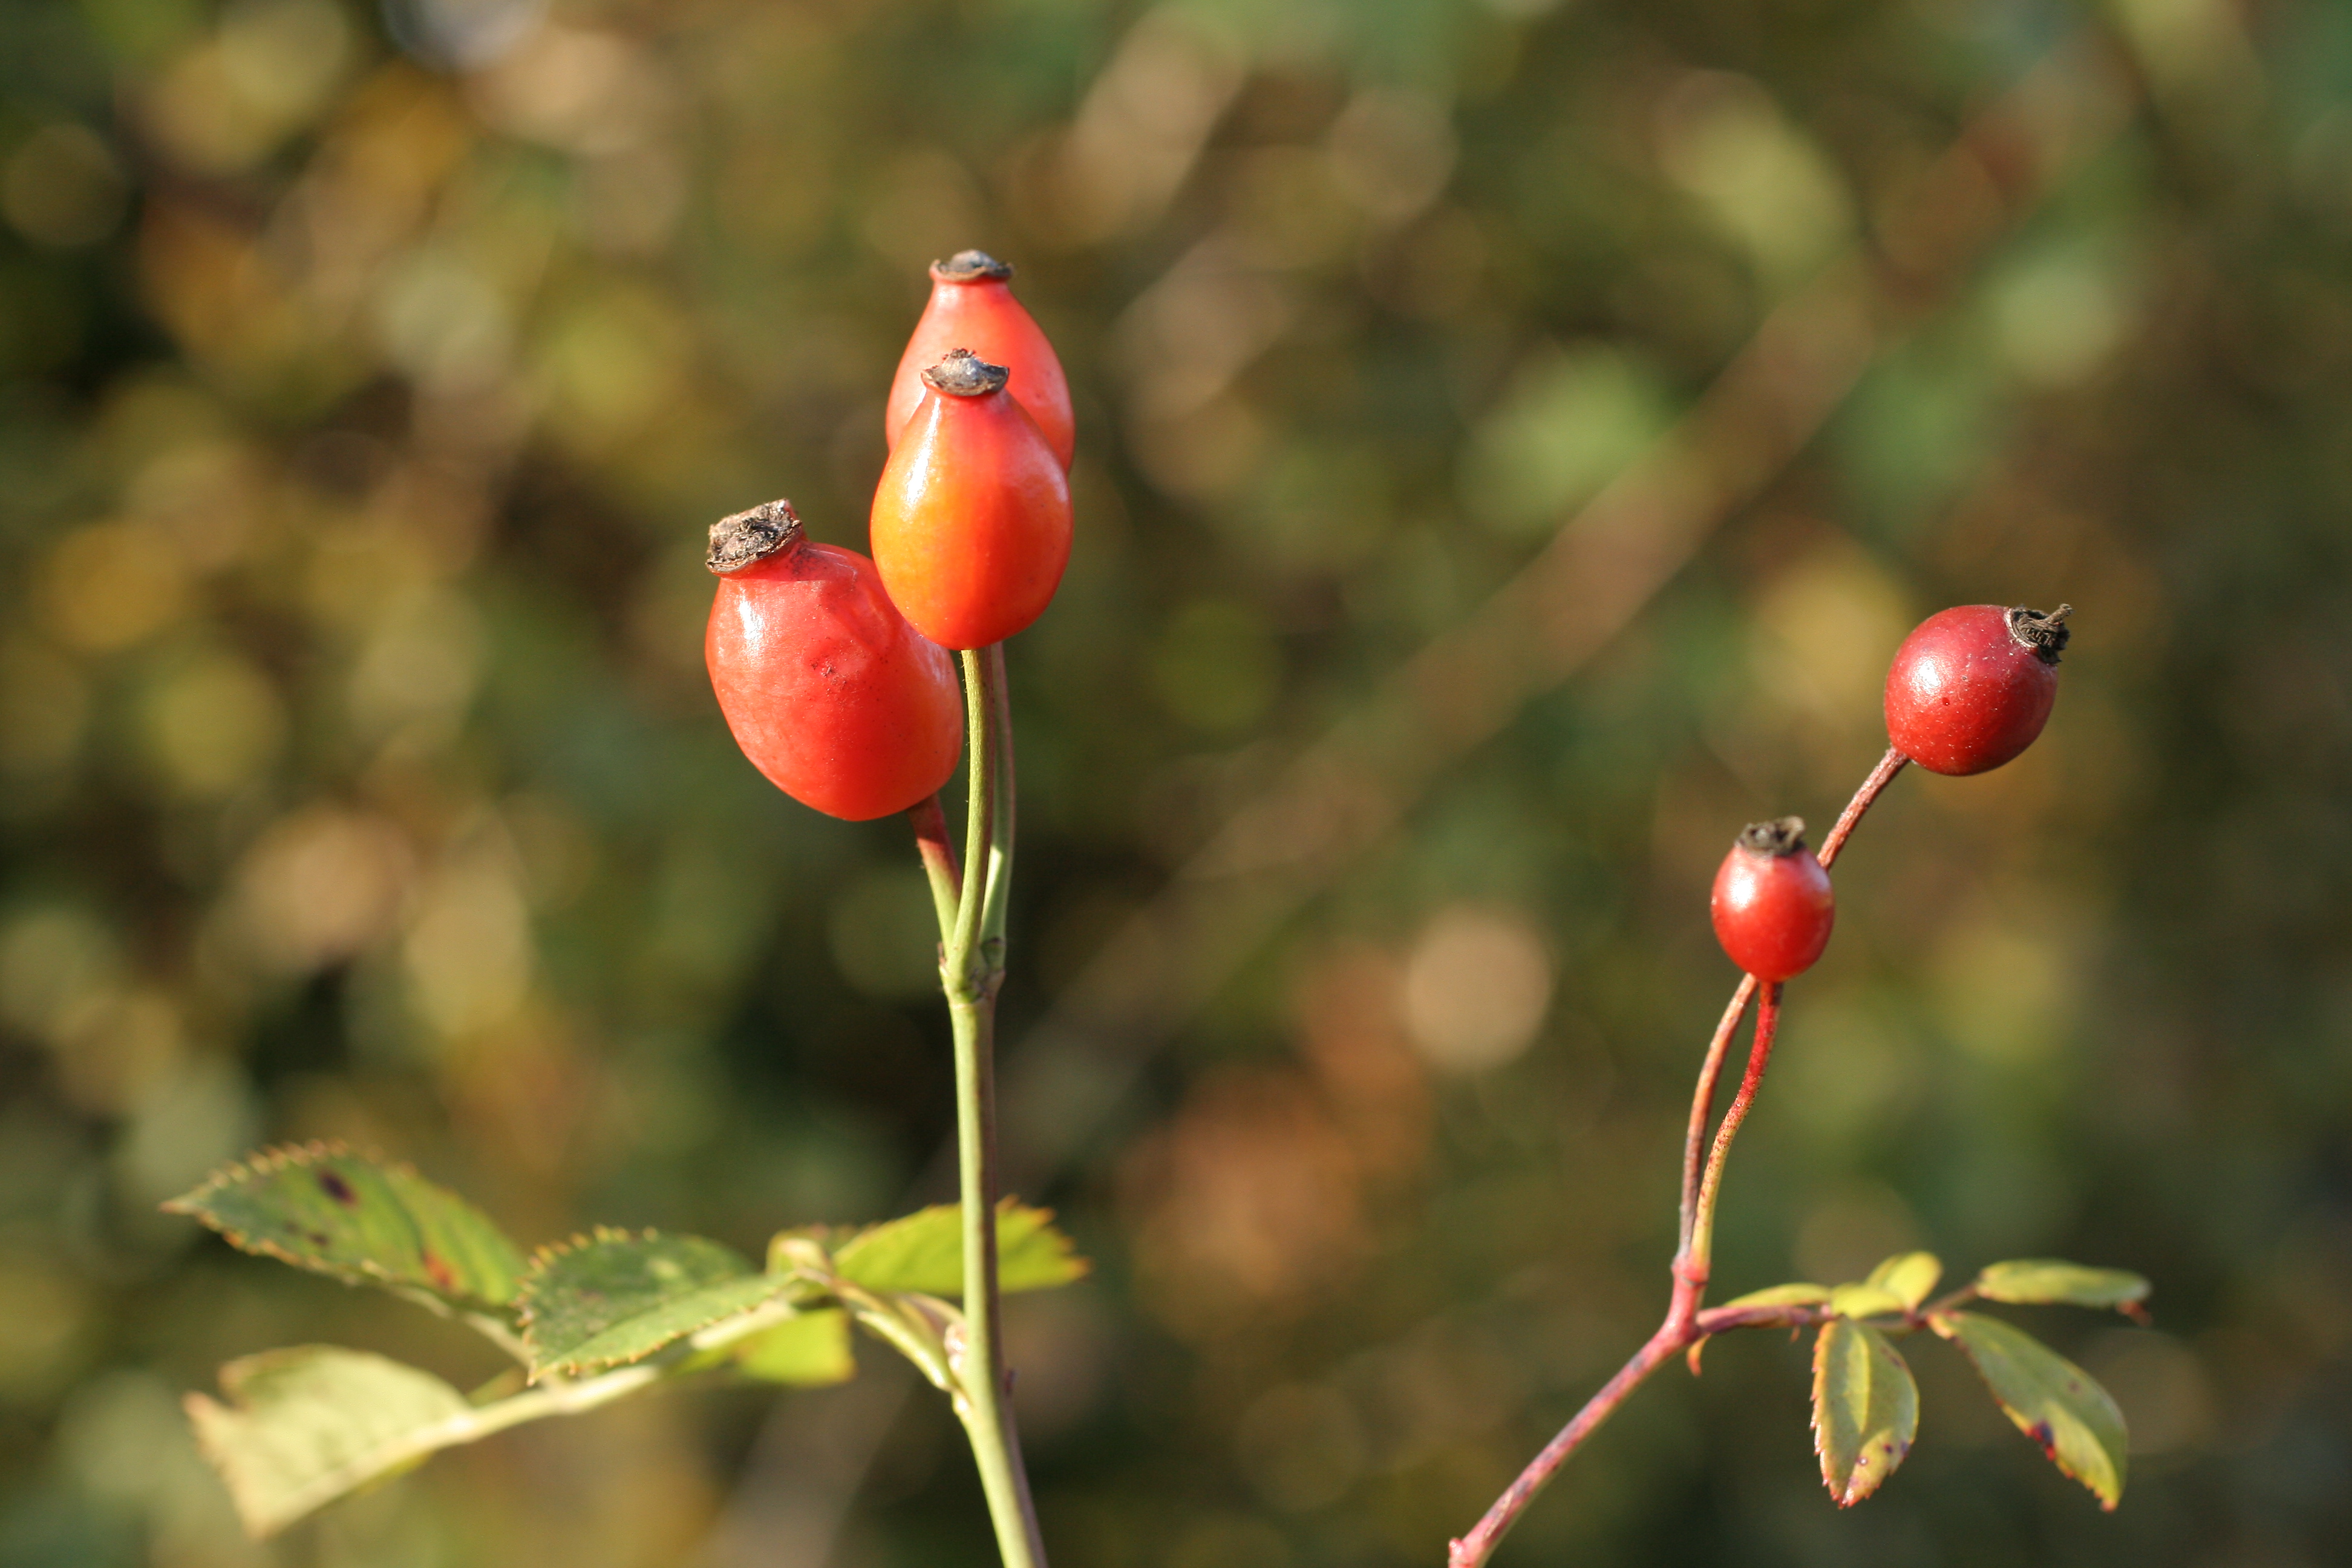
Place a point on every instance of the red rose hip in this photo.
(1772, 904)
(831, 694)
(1972, 687)
(971, 307)
(970, 527)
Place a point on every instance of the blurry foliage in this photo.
(366, 380)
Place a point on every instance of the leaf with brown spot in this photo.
(1866, 1409)
(362, 1219)
(2050, 1399)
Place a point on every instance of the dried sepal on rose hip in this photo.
(971, 520)
(972, 307)
(831, 694)
(1972, 687)
(1772, 904)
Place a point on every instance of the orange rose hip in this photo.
(971, 520)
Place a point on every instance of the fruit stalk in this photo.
(971, 968)
(1893, 762)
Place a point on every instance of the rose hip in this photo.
(971, 520)
(831, 694)
(971, 307)
(1772, 904)
(1972, 687)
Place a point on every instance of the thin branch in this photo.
(1475, 1548)
(1882, 775)
(971, 969)
(1760, 1056)
(1690, 1273)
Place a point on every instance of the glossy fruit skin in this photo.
(971, 520)
(842, 704)
(979, 313)
(1965, 694)
(1772, 913)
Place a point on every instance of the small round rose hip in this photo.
(1971, 686)
(1772, 904)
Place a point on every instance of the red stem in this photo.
(1685, 1324)
(1473, 1549)
(938, 850)
(1760, 1056)
(1690, 1273)
(1882, 775)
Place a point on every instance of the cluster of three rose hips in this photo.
(1969, 689)
(833, 670)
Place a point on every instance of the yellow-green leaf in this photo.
(1866, 1409)
(362, 1220)
(1864, 1302)
(2052, 1401)
(808, 1350)
(1907, 1276)
(2051, 1279)
(1791, 1295)
(616, 1296)
(305, 1425)
(924, 1251)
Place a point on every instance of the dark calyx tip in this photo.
(736, 541)
(964, 373)
(2045, 635)
(1781, 835)
(971, 267)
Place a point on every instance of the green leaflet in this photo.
(2051, 1279)
(2052, 1401)
(306, 1425)
(1907, 1276)
(924, 1251)
(1866, 1409)
(1864, 1302)
(1792, 1295)
(615, 1297)
(323, 1207)
(808, 1350)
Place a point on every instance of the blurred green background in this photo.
(367, 380)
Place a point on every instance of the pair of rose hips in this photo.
(833, 670)
(1969, 689)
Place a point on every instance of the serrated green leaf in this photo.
(305, 1425)
(2053, 1280)
(808, 1350)
(924, 1251)
(1866, 1409)
(1791, 1295)
(2052, 1401)
(1864, 1302)
(615, 1297)
(1908, 1276)
(361, 1219)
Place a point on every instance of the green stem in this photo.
(972, 967)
